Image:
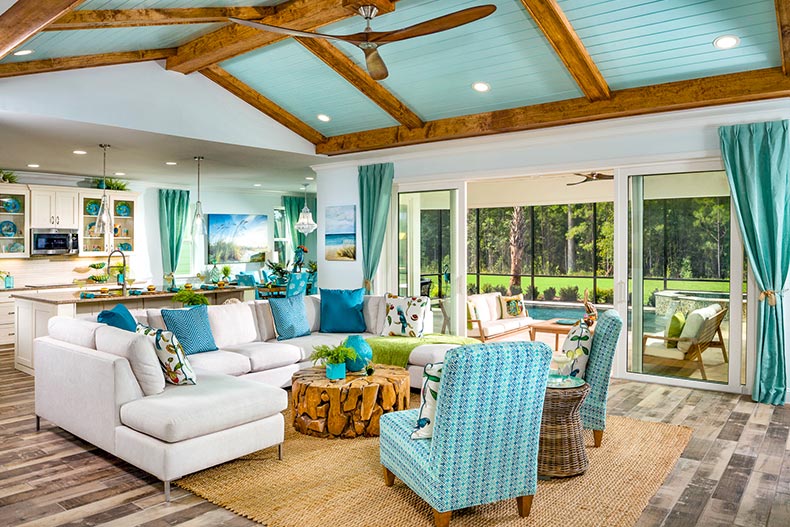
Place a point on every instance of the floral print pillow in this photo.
(404, 316)
(432, 376)
(512, 306)
(171, 355)
(577, 348)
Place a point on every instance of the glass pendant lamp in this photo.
(305, 224)
(104, 220)
(199, 225)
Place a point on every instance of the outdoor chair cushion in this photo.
(694, 323)
(496, 327)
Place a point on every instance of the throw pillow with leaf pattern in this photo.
(513, 306)
(431, 378)
(171, 355)
(577, 347)
(404, 316)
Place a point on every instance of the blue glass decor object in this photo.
(122, 209)
(92, 208)
(9, 281)
(364, 353)
(11, 205)
(8, 228)
(125, 246)
(15, 247)
(336, 371)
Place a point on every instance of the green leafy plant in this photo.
(7, 176)
(226, 270)
(549, 293)
(312, 267)
(333, 354)
(111, 183)
(280, 270)
(190, 298)
(569, 294)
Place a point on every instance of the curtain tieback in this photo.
(771, 296)
(367, 284)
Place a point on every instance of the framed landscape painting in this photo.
(237, 238)
(341, 233)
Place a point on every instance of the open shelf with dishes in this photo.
(123, 223)
(91, 242)
(14, 221)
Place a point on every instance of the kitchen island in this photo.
(35, 308)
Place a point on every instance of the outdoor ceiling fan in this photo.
(591, 176)
(369, 41)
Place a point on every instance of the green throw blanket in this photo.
(395, 350)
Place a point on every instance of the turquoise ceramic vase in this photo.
(364, 353)
(335, 371)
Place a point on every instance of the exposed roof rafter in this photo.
(347, 68)
(15, 69)
(261, 103)
(25, 18)
(783, 21)
(747, 86)
(560, 33)
(113, 18)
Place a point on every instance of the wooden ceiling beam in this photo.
(682, 95)
(25, 18)
(234, 39)
(359, 78)
(563, 38)
(261, 103)
(15, 69)
(114, 18)
(783, 22)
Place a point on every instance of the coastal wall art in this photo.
(341, 233)
(237, 238)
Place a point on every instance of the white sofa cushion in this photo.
(74, 331)
(232, 324)
(155, 319)
(373, 308)
(139, 351)
(220, 361)
(487, 306)
(268, 355)
(694, 323)
(429, 353)
(264, 320)
(216, 403)
(312, 307)
(496, 327)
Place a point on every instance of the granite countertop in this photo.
(73, 297)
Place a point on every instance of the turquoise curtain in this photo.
(757, 159)
(293, 206)
(375, 194)
(173, 212)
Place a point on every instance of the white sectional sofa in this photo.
(85, 384)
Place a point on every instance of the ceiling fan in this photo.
(369, 41)
(591, 176)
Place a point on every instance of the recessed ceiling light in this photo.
(323, 117)
(33, 165)
(23, 52)
(256, 185)
(120, 173)
(726, 42)
(79, 152)
(171, 163)
(309, 178)
(481, 87)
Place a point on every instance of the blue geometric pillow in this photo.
(191, 328)
(290, 317)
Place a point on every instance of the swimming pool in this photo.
(650, 324)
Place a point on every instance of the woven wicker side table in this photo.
(562, 452)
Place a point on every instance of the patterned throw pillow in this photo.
(290, 317)
(432, 376)
(675, 328)
(404, 316)
(577, 347)
(171, 355)
(191, 327)
(512, 306)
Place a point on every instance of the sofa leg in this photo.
(442, 519)
(280, 451)
(524, 504)
(389, 477)
(597, 437)
(38, 424)
(167, 491)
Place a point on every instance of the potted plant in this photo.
(190, 298)
(280, 271)
(335, 359)
(226, 270)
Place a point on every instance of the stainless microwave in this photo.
(54, 241)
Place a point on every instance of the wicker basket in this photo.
(562, 451)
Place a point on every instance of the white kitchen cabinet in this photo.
(53, 208)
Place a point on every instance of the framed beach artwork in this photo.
(237, 238)
(341, 233)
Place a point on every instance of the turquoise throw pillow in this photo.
(290, 317)
(341, 311)
(191, 328)
(118, 317)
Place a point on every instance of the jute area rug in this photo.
(339, 482)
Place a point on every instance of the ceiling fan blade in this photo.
(442, 23)
(294, 32)
(375, 64)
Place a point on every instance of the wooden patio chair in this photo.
(674, 357)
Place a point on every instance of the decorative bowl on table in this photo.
(151, 288)
(104, 290)
(187, 286)
(221, 284)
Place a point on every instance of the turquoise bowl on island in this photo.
(364, 353)
(336, 372)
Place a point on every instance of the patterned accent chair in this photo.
(599, 369)
(297, 284)
(485, 438)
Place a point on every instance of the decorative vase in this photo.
(9, 281)
(335, 371)
(364, 353)
(213, 274)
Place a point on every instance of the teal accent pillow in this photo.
(341, 311)
(118, 317)
(290, 317)
(191, 328)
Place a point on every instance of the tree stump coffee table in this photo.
(561, 450)
(349, 407)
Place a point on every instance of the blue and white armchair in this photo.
(485, 438)
(599, 369)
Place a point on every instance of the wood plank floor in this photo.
(735, 470)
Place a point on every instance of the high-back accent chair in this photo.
(246, 280)
(297, 284)
(485, 438)
(599, 369)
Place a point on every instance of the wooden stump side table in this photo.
(562, 451)
(349, 407)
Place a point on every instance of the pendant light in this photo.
(199, 225)
(305, 225)
(103, 221)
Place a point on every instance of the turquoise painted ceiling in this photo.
(633, 42)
